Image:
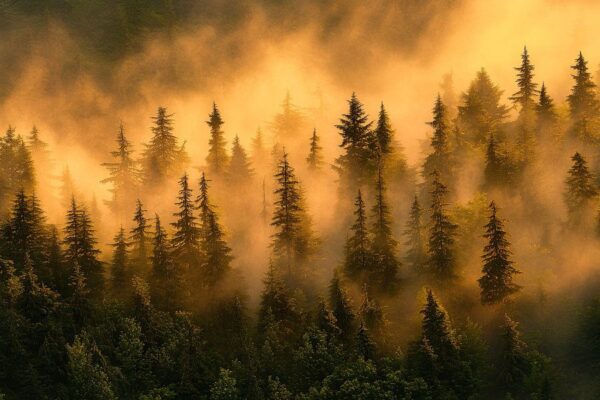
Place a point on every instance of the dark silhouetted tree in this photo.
(358, 260)
(580, 190)
(121, 273)
(185, 243)
(240, 172)
(217, 158)
(341, 306)
(139, 239)
(166, 276)
(315, 156)
(583, 103)
(498, 270)
(440, 157)
(416, 255)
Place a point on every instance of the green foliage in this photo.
(217, 158)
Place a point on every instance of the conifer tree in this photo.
(325, 320)
(365, 346)
(546, 113)
(440, 158)
(416, 255)
(140, 239)
(166, 277)
(383, 246)
(315, 158)
(358, 260)
(240, 172)
(384, 133)
(259, 153)
(186, 239)
(497, 281)
(276, 302)
(80, 246)
(37, 302)
(514, 365)
(580, 190)
(289, 123)
(292, 241)
(42, 161)
(67, 188)
(481, 112)
(216, 253)
(357, 164)
(342, 308)
(527, 87)
(78, 297)
(163, 158)
(499, 170)
(371, 313)
(441, 264)
(57, 276)
(120, 269)
(123, 175)
(583, 102)
(217, 159)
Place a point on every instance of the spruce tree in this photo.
(121, 273)
(384, 133)
(80, 247)
(341, 306)
(289, 123)
(514, 366)
(215, 251)
(440, 157)
(580, 190)
(276, 302)
(123, 175)
(163, 158)
(240, 172)
(325, 320)
(186, 238)
(527, 87)
(441, 263)
(583, 102)
(217, 159)
(140, 239)
(383, 247)
(371, 313)
(292, 241)
(315, 157)
(365, 346)
(416, 255)
(497, 281)
(546, 113)
(358, 162)
(358, 260)
(166, 276)
(499, 169)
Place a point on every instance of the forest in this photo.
(317, 256)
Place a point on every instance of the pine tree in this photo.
(292, 241)
(216, 253)
(276, 302)
(37, 302)
(364, 344)
(217, 159)
(527, 87)
(583, 102)
(139, 239)
(416, 255)
(499, 170)
(546, 113)
(166, 277)
(357, 164)
(440, 157)
(42, 161)
(481, 112)
(581, 189)
(240, 171)
(186, 239)
(441, 264)
(358, 259)
(80, 244)
(54, 265)
(514, 365)
(162, 158)
(123, 175)
(342, 308)
(120, 269)
(325, 320)
(383, 247)
(67, 188)
(315, 158)
(436, 328)
(371, 313)
(497, 281)
(289, 123)
(78, 297)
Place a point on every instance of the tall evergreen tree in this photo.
(259, 153)
(315, 157)
(499, 170)
(140, 239)
(580, 190)
(292, 241)
(186, 239)
(163, 158)
(546, 113)
(123, 175)
(384, 132)
(527, 87)
(386, 264)
(357, 164)
(80, 247)
(341, 306)
(514, 366)
(289, 123)
(217, 159)
(240, 172)
(216, 253)
(166, 276)
(371, 313)
(276, 302)
(497, 281)
(416, 255)
(358, 260)
(16, 169)
(583, 102)
(365, 346)
(441, 263)
(440, 157)
(121, 273)
(67, 188)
